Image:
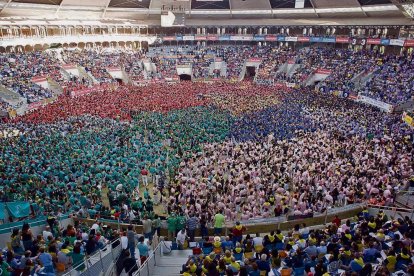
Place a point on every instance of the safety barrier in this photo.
(147, 268)
(98, 263)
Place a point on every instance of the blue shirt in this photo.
(143, 249)
(46, 259)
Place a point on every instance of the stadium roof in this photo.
(345, 12)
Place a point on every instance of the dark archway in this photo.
(250, 72)
(185, 77)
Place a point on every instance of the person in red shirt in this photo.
(238, 231)
(336, 221)
(144, 175)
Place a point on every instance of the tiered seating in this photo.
(393, 80)
(370, 245)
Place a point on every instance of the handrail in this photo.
(145, 267)
(99, 264)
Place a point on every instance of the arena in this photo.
(195, 137)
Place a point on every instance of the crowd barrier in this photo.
(147, 268)
(99, 263)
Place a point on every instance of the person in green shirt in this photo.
(218, 223)
(5, 268)
(171, 226)
(181, 222)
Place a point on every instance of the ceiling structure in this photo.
(210, 12)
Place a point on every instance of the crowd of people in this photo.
(241, 142)
(391, 79)
(367, 245)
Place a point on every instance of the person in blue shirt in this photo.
(143, 249)
(46, 261)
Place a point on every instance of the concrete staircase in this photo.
(87, 75)
(223, 71)
(243, 72)
(171, 264)
(293, 69)
(54, 87)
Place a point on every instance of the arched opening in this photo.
(28, 48)
(250, 72)
(73, 45)
(81, 45)
(38, 47)
(105, 44)
(2, 50)
(10, 49)
(185, 77)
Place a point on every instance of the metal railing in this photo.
(99, 262)
(148, 267)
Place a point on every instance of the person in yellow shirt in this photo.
(234, 266)
(390, 261)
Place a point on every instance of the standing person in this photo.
(181, 238)
(171, 226)
(238, 231)
(156, 225)
(144, 176)
(192, 225)
(143, 249)
(218, 222)
(147, 228)
(131, 236)
(46, 261)
(16, 239)
(27, 237)
(203, 226)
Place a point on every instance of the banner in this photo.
(188, 38)
(328, 39)
(259, 38)
(271, 38)
(342, 40)
(113, 69)
(69, 66)
(291, 61)
(241, 37)
(291, 38)
(218, 60)
(18, 209)
(381, 105)
(224, 38)
(212, 37)
(88, 90)
(2, 214)
(385, 41)
(280, 38)
(397, 42)
(39, 79)
(179, 37)
(303, 39)
(409, 43)
(316, 39)
(374, 41)
(200, 37)
(254, 60)
(35, 105)
(169, 38)
(323, 71)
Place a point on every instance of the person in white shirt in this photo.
(47, 233)
(257, 241)
(124, 241)
(181, 237)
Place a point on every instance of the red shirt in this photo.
(144, 172)
(337, 221)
